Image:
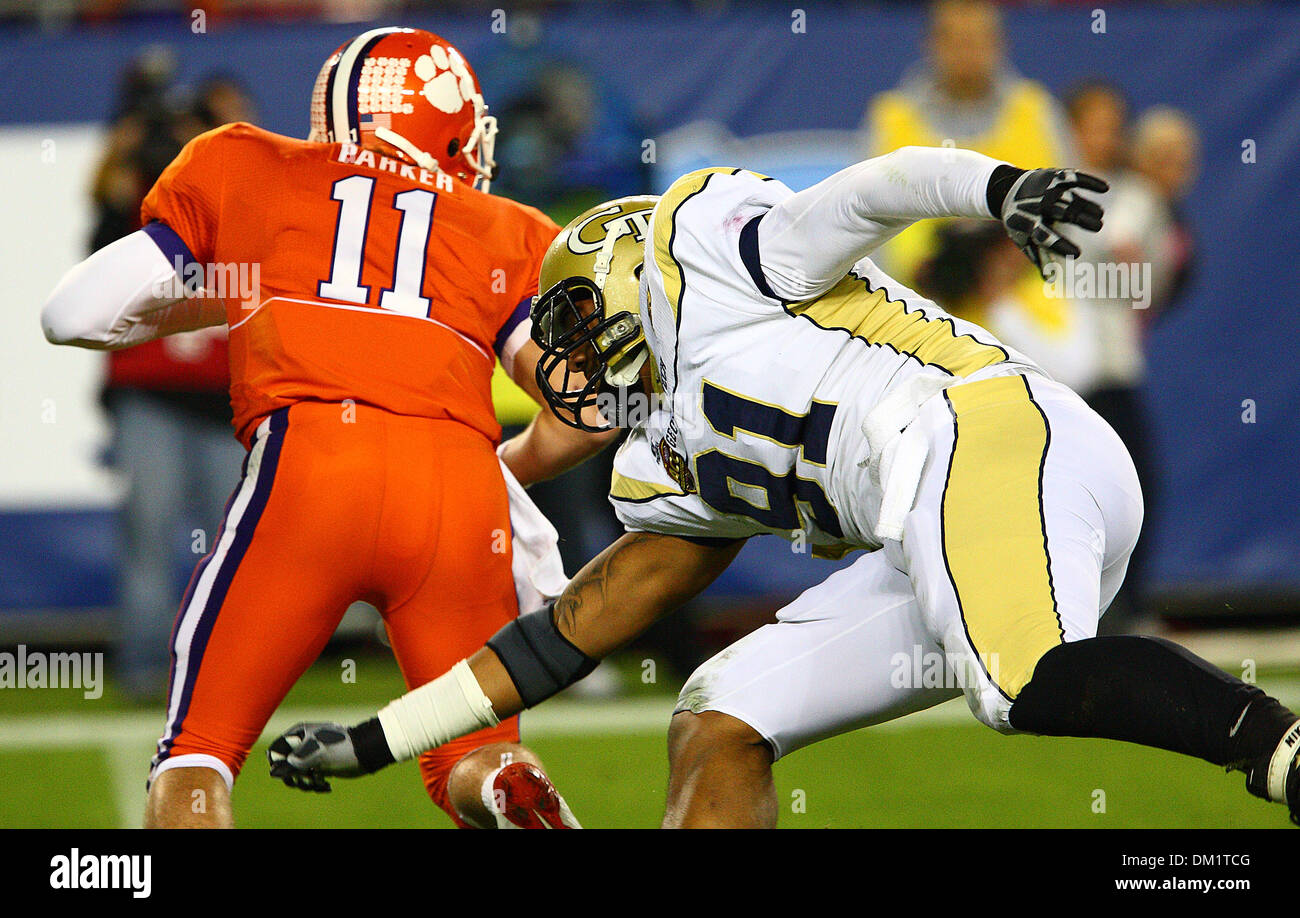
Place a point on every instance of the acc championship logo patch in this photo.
(676, 465)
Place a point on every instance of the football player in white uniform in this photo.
(776, 381)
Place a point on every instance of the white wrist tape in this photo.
(439, 711)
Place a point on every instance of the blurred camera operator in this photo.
(168, 399)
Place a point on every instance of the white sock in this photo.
(1279, 766)
(439, 711)
(487, 793)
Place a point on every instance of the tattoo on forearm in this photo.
(593, 586)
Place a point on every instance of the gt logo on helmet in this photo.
(637, 223)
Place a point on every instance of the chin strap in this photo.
(629, 369)
(484, 136)
(605, 257)
(397, 141)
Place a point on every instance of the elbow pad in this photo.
(541, 661)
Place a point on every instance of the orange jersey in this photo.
(349, 275)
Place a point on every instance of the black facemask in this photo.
(561, 330)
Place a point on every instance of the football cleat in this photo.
(520, 796)
(1276, 776)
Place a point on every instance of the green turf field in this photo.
(69, 762)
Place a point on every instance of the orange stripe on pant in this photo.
(340, 503)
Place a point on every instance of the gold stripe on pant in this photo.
(995, 542)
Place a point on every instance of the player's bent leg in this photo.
(460, 799)
(189, 797)
(257, 613)
(489, 780)
(473, 778)
(446, 599)
(847, 653)
(1156, 693)
(1026, 499)
(720, 774)
(1018, 542)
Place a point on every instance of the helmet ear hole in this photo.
(636, 272)
(454, 147)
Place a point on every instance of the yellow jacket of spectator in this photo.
(1024, 130)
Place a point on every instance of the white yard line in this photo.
(128, 763)
(555, 718)
(128, 738)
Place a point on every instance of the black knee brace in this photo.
(1149, 691)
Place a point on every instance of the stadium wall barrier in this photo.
(1229, 486)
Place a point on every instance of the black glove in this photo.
(305, 753)
(1041, 200)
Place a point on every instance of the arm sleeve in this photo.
(516, 330)
(809, 241)
(127, 293)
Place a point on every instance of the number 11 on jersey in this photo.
(355, 194)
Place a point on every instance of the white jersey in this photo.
(806, 391)
(764, 398)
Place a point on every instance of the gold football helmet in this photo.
(589, 306)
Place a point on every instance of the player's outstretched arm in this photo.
(126, 293)
(809, 241)
(621, 592)
(547, 447)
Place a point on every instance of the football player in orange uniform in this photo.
(369, 283)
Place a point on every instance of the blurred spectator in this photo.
(1098, 116)
(143, 138)
(1166, 151)
(1134, 258)
(564, 147)
(978, 274)
(965, 93)
(169, 400)
(1134, 223)
(222, 98)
